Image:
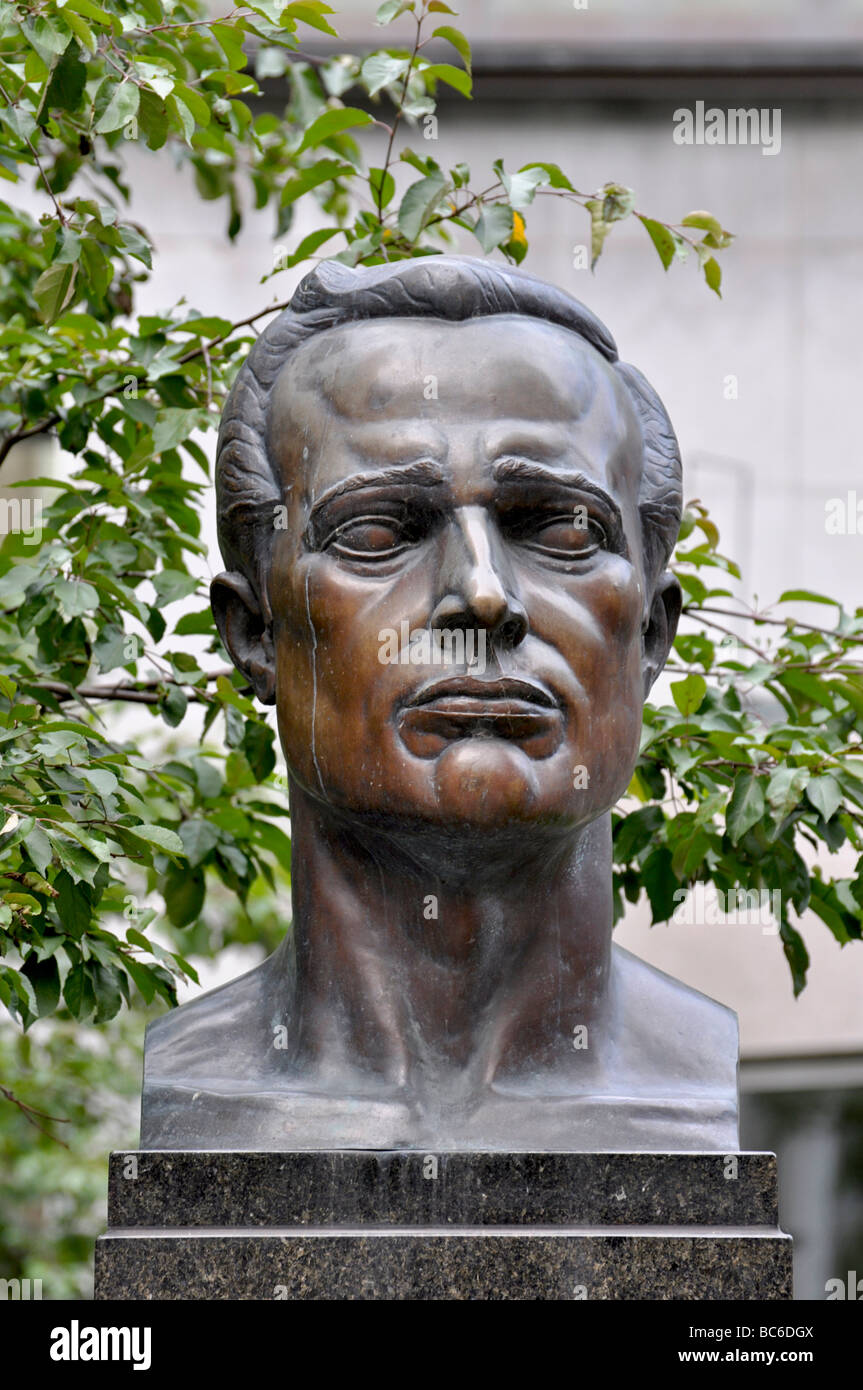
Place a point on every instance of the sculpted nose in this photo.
(476, 584)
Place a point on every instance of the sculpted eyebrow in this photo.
(516, 470)
(419, 473)
(422, 472)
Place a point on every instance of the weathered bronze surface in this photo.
(446, 510)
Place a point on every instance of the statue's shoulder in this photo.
(675, 1028)
(216, 1033)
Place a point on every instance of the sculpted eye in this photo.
(368, 537)
(571, 536)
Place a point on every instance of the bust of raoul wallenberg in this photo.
(446, 511)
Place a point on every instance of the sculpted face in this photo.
(479, 478)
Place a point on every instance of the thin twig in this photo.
(143, 693)
(729, 632)
(32, 148)
(29, 1111)
(775, 622)
(54, 418)
(398, 116)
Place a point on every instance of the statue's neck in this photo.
(407, 971)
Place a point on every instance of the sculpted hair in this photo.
(248, 485)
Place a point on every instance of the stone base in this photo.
(407, 1225)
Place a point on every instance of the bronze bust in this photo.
(444, 448)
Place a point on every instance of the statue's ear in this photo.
(246, 632)
(661, 627)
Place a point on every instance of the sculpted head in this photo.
(448, 446)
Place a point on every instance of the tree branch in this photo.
(202, 350)
(32, 148)
(775, 622)
(30, 1111)
(141, 693)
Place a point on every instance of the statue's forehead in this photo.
(388, 369)
(379, 392)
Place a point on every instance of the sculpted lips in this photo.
(460, 707)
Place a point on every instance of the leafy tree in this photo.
(758, 755)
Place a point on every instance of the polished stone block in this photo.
(406, 1225)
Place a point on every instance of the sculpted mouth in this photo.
(474, 690)
(462, 707)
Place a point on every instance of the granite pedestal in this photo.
(352, 1224)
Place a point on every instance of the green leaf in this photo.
(661, 238)
(107, 989)
(183, 118)
(78, 993)
(391, 9)
(136, 245)
(494, 225)
(46, 38)
(796, 954)
(556, 178)
(158, 835)
(90, 10)
(381, 69)
(173, 706)
(808, 685)
(599, 230)
(275, 841)
(310, 244)
(171, 585)
(689, 693)
(458, 41)
(120, 110)
(821, 904)
(175, 424)
(786, 787)
(54, 290)
(454, 77)
(39, 849)
(521, 187)
(141, 978)
(704, 221)
(101, 779)
(713, 274)
(234, 727)
(82, 31)
(199, 837)
(322, 172)
(231, 696)
(311, 14)
(746, 806)
(98, 273)
(74, 904)
(331, 123)
(68, 79)
(184, 894)
(618, 201)
(660, 884)
(81, 865)
(825, 795)
(195, 623)
(257, 745)
(419, 203)
(44, 976)
(806, 596)
(75, 597)
(194, 101)
(635, 831)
